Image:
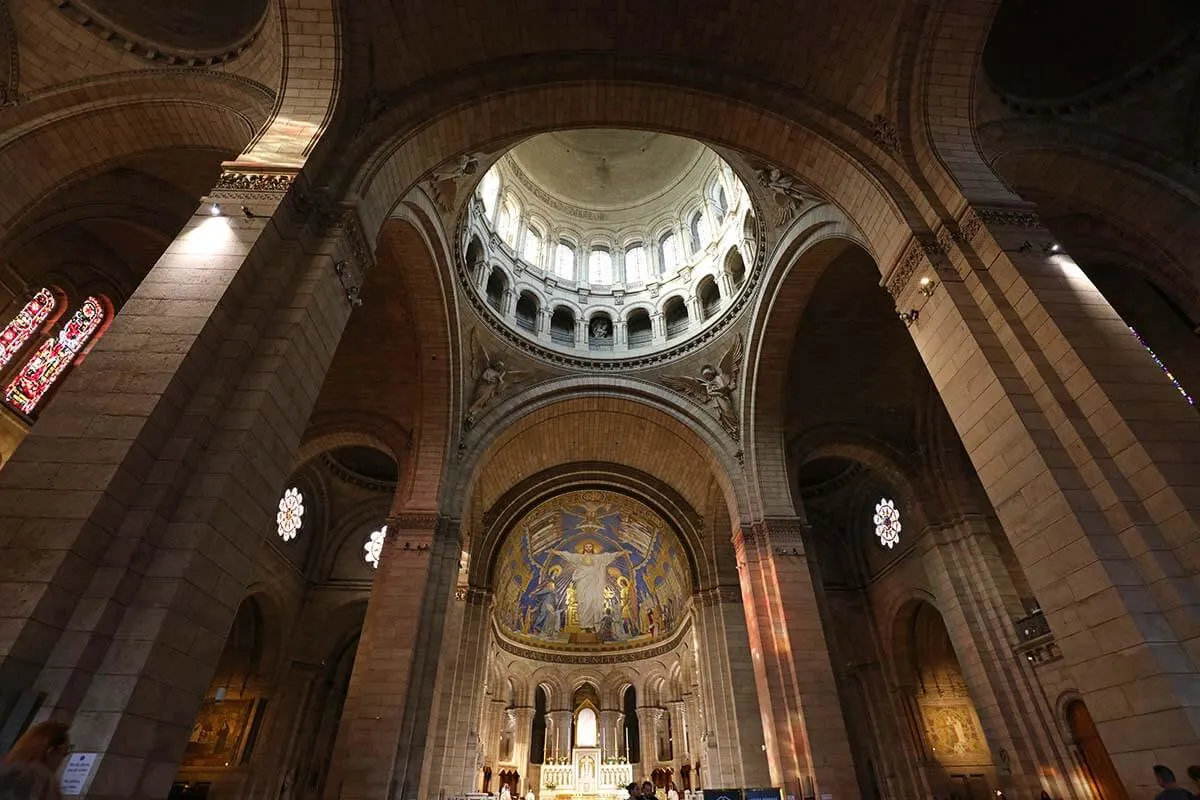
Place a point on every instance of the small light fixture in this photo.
(908, 317)
(1026, 247)
(1052, 248)
(926, 286)
(219, 695)
(215, 209)
(247, 213)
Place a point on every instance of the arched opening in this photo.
(676, 315)
(636, 270)
(1096, 762)
(600, 332)
(497, 287)
(960, 759)
(698, 229)
(735, 267)
(527, 311)
(226, 728)
(475, 256)
(537, 739)
(633, 742)
(710, 298)
(562, 326)
(639, 329)
(600, 269)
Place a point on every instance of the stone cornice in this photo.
(599, 657)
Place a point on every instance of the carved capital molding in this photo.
(784, 532)
(1000, 217)
(884, 132)
(413, 521)
(352, 269)
(718, 595)
(920, 251)
(245, 183)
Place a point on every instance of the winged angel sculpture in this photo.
(490, 377)
(716, 386)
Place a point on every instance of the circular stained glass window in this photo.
(291, 514)
(374, 546)
(887, 523)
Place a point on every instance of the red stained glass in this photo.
(51, 360)
(17, 332)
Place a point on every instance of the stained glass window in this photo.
(533, 246)
(668, 254)
(635, 264)
(489, 189)
(600, 266)
(53, 358)
(291, 514)
(17, 332)
(374, 547)
(564, 260)
(1174, 381)
(887, 523)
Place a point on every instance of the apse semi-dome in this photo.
(609, 247)
(591, 571)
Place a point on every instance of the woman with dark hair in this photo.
(28, 771)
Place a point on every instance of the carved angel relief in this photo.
(716, 387)
(790, 193)
(491, 376)
(443, 184)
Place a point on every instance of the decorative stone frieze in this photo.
(919, 251)
(718, 595)
(884, 132)
(237, 184)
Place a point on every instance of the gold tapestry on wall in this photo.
(218, 732)
(953, 731)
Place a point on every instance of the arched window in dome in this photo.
(25, 324)
(698, 227)
(564, 260)
(497, 287)
(635, 264)
(600, 266)
(489, 192)
(887, 522)
(639, 331)
(527, 311)
(676, 314)
(510, 221)
(720, 203)
(54, 357)
(710, 297)
(533, 246)
(290, 517)
(668, 253)
(373, 547)
(562, 326)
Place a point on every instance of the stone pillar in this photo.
(562, 721)
(610, 734)
(522, 738)
(494, 727)
(732, 737)
(456, 751)
(1077, 436)
(678, 735)
(648, 717)
(806, 732)
(281, 734)
(385, 723)
(124, 571)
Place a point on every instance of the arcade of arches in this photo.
(413, 399)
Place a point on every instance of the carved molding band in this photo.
(919, 250)
(413, 521)
(352, 269)
(237, 184)
(1007, 217)
(718, 595)
(615, 657)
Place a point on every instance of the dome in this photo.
(591, 571)
(603, 246)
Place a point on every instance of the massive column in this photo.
(732, 737)
(125, 515)
(560, 723)
(385, 723)
(806, 732)
(1087, 453)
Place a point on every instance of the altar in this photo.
(586, 774)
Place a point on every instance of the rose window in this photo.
(291, 514)
(887, 523)
(374, 547)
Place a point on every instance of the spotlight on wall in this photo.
(215, 209)
(1051, 248)
(908, 317)
(926, 286)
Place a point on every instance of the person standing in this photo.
(672, 792)
(505, 794)
(29, 771)
(1170, 789)
(529, 794)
